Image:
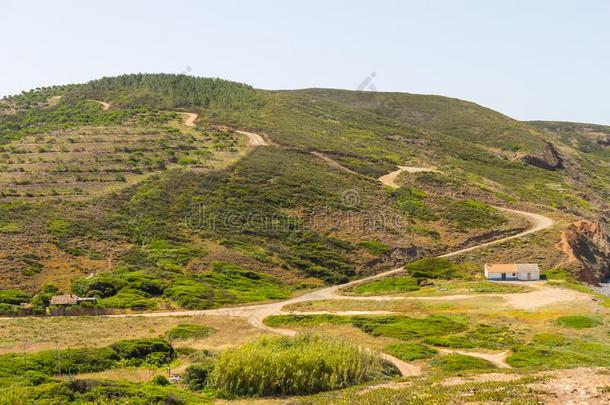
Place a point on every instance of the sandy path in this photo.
(497, 359)
(189, 118)
(105, 105)
(334, 163)
(254, 139)
(390, 178)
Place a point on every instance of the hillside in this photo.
(61, 148)
(358, 224)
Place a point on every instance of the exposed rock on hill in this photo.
(549, 159)
(587, 246)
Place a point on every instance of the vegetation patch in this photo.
(189, 331)
(375, 247)
(293, 366)
(547, 351)
(410, 351)
(578, 322)
(407, 328)
(460, 362)
(385, 286)
(482, 336)
(471, 214)
(434, 267)
(306, 320)
(432, 391)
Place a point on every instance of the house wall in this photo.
(498, 276)
(534, 275)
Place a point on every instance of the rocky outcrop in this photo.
(587, 247)
(395, 258)
(549, 159)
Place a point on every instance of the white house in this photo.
(512, 271)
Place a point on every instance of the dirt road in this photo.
(390, 178)
(254, 139)
(105, 105)
(189, 118)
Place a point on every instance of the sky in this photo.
(527, 59)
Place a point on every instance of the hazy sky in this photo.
(527, 59)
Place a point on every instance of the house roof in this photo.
(511, 267)
(502, 268)
(68, 299)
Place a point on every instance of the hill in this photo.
(90, 191)
(358, 222)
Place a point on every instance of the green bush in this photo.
(140, 349)
(14, 297)
(306, 320)
(410, 351)
(578, 322)
(389, 285)
(375, 247)
(434, 267)
(187, 331)
(160, 380)
(196, 375)
(461, 362)
(292, 366)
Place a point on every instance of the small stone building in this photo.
(512, 271)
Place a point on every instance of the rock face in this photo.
(549, 159)
(587, 246)
(394, 258)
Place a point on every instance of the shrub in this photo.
(292, 366)
(14, 297)
(577, 322)
(410, 352)
(306, 320)
(160, 380)
(196, 375)
(433, 267)
(375, 247)
(460, 362)
(186, 331)
(141, 348)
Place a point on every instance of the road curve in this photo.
(390, 178)
(254, 139)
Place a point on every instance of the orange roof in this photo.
(502, 268)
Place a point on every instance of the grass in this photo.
(452, 363)
(484, 336)
(433, 391)
(386, 286)
(407, 328)
(188, 331)
(549, 351)
(410, 351)
(293, 366)
(578, 322)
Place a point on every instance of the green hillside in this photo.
(131, 189)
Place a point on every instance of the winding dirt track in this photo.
(390, 178)
(189, 118)
(105, 105)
